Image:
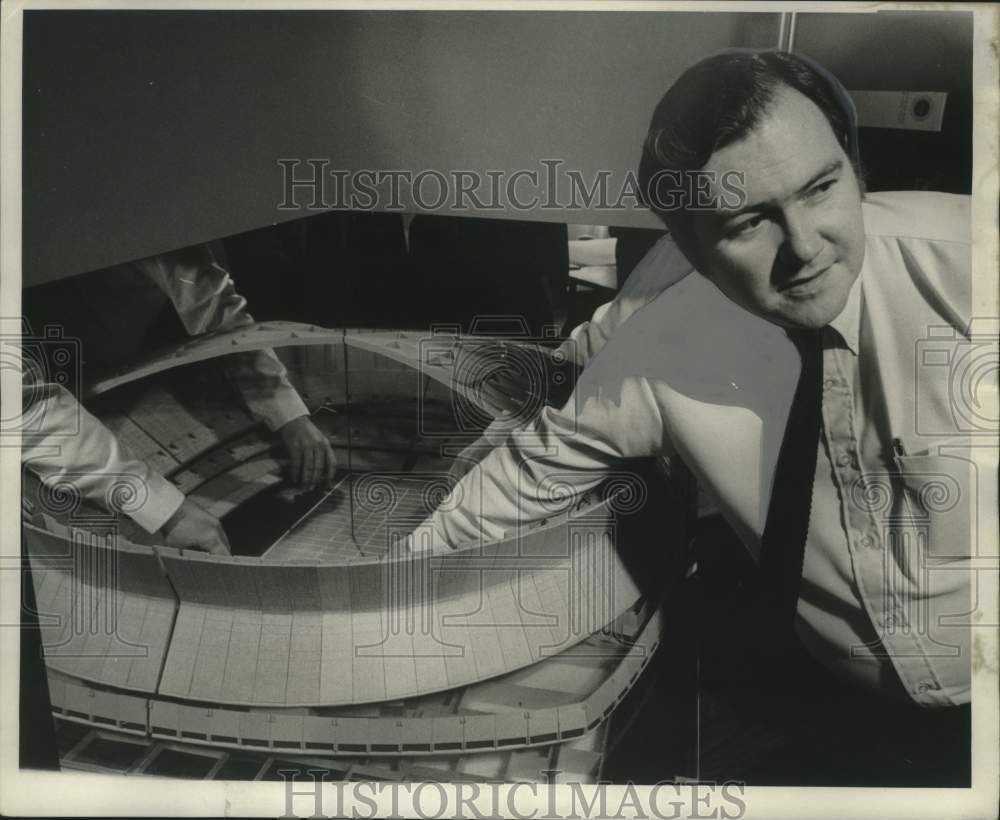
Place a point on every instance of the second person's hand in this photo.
(311, 460)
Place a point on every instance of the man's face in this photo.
(792, 252)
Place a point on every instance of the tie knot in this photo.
(804, 335)
(809, 342)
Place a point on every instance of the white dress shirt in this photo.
(885, 590)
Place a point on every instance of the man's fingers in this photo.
(309, 468)
(224, 539)
(295, 465)
(459, 467)
(505, 394)
(331, 465)
(456, 471)
(214, 541)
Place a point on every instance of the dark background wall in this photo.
(146, 131)
(896, 51)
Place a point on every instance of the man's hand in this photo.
(510, 384)
(192, 527)
(470, 456)
(311, 458)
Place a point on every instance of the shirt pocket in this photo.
(938, 496)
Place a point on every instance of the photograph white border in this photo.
(32, 793)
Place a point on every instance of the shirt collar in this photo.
(848, 321)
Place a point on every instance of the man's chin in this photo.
(810, 314)
(817, 303)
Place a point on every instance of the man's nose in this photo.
(802, 242)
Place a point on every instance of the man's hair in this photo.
(716, 102)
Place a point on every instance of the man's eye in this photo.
(747, 226)
(822, 188)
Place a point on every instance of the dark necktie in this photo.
(784, 539)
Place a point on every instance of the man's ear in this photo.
(861, 176)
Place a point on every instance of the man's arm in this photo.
(205, 298)
(542, 470)
(68, 444)
(663, 266)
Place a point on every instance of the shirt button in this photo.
(844, 460)
(869, 541)
(829, 384)
(925, 687)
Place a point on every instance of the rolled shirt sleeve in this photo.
(68, 447)
(542, 470)
(206, 300)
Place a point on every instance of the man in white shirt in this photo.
(189, 286)
(705, 368)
